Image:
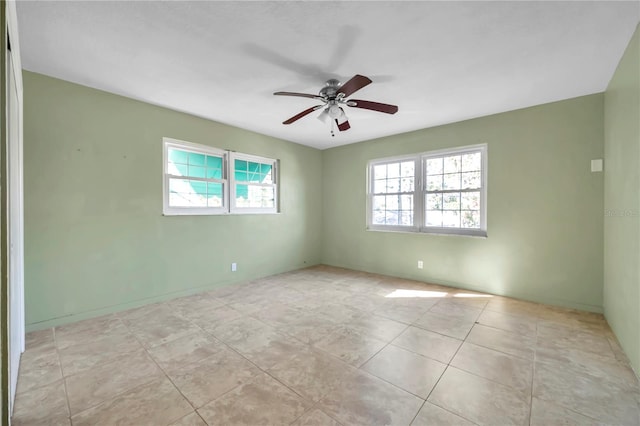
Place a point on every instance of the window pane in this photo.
(391, 217)
(470, 201)
(393, 185)
(177, 156)
(196, 159)
(240, 165)
(434, 166)
(471, 162)
(252, 196)
(452, 181)
(434, 201)
(380, 171)
(471, 180)
(434, 218)
(406, 202)
(393, 170)
(214, 173)
(265, 168)
(470, 219)
(451, 218)
(434, 183)
(392, 202)
(241, 176)
(452, 164)
(406, 218)
(187, 193)
(451, 201)
(178, 169)
(214, 189)
(406, 185)
(379, 186)
(407, 169)
(195, 171)
(254, 167)
(214, 162)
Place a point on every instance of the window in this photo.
(253, 184)
(441, 192)
(198, 180)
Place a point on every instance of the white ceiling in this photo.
(440, 62)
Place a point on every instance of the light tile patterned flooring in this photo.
(330, 346)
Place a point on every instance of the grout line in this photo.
(64, 379)
(533, 374)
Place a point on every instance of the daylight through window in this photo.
(436, 192)
(199, 180)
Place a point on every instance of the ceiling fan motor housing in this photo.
(330, 90)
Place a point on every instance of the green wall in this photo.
(95, 237)
(622, 202)
(545, 230)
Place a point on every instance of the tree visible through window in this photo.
(437, 192)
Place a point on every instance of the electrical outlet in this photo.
(234, 267)
(420, 264)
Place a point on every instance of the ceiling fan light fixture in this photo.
(335, 111)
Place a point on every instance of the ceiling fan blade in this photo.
(343, 126)
(301, 95)
(356, 83)
(302, 114)
(374, 106)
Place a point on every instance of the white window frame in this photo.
(227, 180)
(232, 183)
(420, 192)
(168, 210)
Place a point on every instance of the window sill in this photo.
(437, 232)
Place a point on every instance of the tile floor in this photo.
(330, 346)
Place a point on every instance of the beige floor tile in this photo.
(432, 345)
(365, 302)
(378, 327)
(203, 381)
(310, 328)
(503, 341)
(340, 313)
(156, 328)
(407, 370)
(156, 403)
(208, 319)
(480, 400)
(41, 405)
(261, 401)
(278, 315)
(351, 346)
(83, 331)
(457, 310)
(268, 349)
(237, 331)
(497, 366)
(544, 413)
(38, 367)
(312, 374)
(192, 419)
(507, 322)
(432, 415)
(399, 312)
(564, 337)
(367, 400)
(160, 308)
(469, 298)
(195, 302)
(315, 417)
(100, 350)
(185, 350)
(452, 326)
(105, 381)
(605, 400)
(38, 338)
(581, 363)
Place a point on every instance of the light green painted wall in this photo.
(95, 237)
(545, 231)
(622, 202)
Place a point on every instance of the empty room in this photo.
(320, 213)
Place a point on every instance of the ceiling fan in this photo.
(333, 95)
